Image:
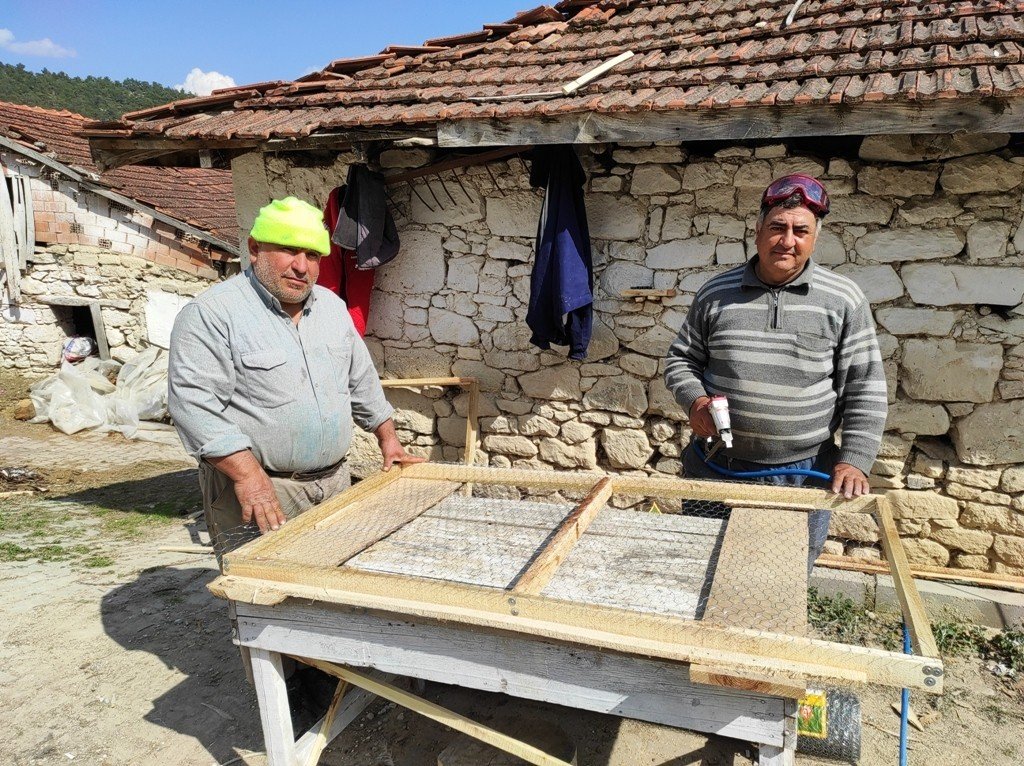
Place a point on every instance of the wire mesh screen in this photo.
(657, 562)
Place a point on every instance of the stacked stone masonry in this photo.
(89, 249)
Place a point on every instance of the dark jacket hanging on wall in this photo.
(364, 221)
(561, 294)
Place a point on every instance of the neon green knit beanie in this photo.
(292, 223)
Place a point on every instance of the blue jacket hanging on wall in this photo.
(561, 286)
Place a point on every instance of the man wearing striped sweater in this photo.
(792, 347)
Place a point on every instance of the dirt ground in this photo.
(114, 652)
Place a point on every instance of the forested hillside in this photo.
(98, 97)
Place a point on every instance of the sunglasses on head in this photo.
(810, 190)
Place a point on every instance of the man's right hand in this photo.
(700, 417)
(256, 495)
(253, 489)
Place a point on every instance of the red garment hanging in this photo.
(338, 271)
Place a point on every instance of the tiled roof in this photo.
(691, 55)
(200, 197)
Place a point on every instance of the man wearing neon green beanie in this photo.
(266, 374)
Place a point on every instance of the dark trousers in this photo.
(817, 521)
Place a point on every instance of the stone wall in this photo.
(89, 250)
(930, 227)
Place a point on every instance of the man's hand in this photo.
(700, 417)
(259, 502)
(391, 449)
(253, 489)
(849, 481)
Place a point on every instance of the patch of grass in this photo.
(98, 561)
(1007, 648)
(13, 552)
(837, 617)
(956, 637)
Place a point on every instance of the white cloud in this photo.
(203, 83)
(45, 47)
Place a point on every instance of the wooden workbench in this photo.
(440, 572)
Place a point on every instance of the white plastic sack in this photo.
(82, 396)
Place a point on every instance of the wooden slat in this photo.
(777, 686)
(8, 243)
(564, 538)
(746, 123)
(921, 572)
(760, 580)
(645, 487)
(914, 613)
(320, 742)
(442, 715)
(651, 635)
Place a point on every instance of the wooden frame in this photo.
(471, 385)
(254, 574)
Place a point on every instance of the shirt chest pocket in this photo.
(815, 342)
(269, 380)
(341, 362)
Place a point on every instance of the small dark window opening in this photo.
(82, 321)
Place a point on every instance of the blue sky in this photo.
(245, 41)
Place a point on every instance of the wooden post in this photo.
(275, 714)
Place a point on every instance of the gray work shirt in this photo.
(242, 375)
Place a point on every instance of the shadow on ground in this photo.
(169, 613)
(167, 494)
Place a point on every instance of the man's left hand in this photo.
(849, 481)
(391, 449)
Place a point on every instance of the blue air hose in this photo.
(904, 705)
(762, 474)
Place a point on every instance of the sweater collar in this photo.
(750, 278)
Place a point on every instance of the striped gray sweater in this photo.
(795, 362)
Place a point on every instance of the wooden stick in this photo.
(644, 486)
(442, 715)
(425, 382)
(920, 572)
(644, 292)
(200, 550)
(910, 600)
(17, 493)
(320, 742)
(472, 430)
(564, 539)
(764, 504)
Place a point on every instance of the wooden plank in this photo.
(424, 382)
(779, 686)
(914, 613)
(275, 714)
(769, 755)
(649, 635)
(618, 684)
(9, 254)
(760, 579)
(320, 741)
(359, 525)
(564, 538)
(644, 487)
(746, 124)
(442, 715)
(921, 572)
(648, 292)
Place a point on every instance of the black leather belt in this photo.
(317, 473)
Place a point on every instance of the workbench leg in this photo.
(769, 755)
(275, 714)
